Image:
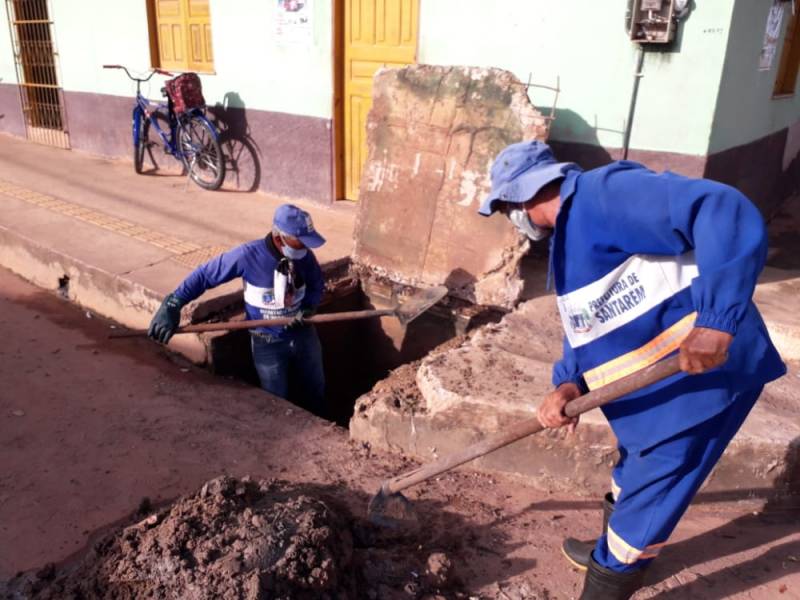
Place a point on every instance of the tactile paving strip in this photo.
(186, 253)
(198, 257)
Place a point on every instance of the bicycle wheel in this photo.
(157, 154)
(139, 140)
(202, 152)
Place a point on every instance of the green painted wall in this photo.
(267, 75)
(706, 97)
(746, 110)
(91, 33)
(252, 68)
(8, 73)
(583, 42)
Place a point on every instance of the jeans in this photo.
(292, 367)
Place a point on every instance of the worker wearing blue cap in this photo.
(645, 265)
(282, 278)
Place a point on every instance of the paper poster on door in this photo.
(293, 22)
(771, 35)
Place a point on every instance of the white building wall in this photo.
(248, 59)
(8, 73)
(583, 42)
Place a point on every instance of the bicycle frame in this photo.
(145, 109)
(148, 110)
(190, 137)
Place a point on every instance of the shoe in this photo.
(579, 553)
(605, 584)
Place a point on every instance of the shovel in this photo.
(390, 508)
(405, 313)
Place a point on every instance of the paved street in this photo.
(91, 426)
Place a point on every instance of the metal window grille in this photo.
(36, 60)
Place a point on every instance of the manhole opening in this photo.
(356, 354)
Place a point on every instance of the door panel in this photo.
(377, 33)
(183, 27)
(201, 57)
(170, 33)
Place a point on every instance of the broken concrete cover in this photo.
(494, 379)
(433, 133)
(504, 366)
(499, 375)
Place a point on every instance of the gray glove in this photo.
(166, 319)
(300, 318)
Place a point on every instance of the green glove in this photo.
(166, 319)
(300, 318)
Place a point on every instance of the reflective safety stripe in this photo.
(627, 554)
(615, 490)
(633, 288)
(668, 341)
(264, 299)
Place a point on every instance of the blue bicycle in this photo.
(188, 137)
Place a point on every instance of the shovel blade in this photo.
(392, 511)
(419, 303)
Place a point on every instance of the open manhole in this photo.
(359, 353)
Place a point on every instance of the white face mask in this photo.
(519, 217)
(292, 253)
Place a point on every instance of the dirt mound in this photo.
(232, 539)
(241, 539)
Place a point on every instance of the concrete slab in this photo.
(125, 241)
(498, 376)
(778, 299)
(433, 133)
(778, 292)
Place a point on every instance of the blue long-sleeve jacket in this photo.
(639, 259)
(255, 262)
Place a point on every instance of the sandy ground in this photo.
(89, 427)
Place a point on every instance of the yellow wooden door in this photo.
(198, 22)
(789, 67)
(377, 33)
(171, 40)
(184, 35)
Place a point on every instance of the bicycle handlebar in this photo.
(128, 73)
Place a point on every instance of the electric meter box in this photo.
(653, 21)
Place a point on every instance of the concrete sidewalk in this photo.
(125, 240)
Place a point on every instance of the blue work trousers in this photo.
(653, 488)
(292, 367)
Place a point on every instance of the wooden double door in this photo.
(377, 33)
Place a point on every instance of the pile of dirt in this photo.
(243, 539)
(400, 388)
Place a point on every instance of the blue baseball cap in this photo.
(296, 222)
(520, 171)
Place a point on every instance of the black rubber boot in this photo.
(579, 553)
(604, 584)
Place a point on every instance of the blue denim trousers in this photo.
(653, 488)
(292, 367)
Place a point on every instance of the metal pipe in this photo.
(632, 108)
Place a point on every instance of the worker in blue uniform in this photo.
(281, 278)
(645, 265)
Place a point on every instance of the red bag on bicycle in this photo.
(186, 92)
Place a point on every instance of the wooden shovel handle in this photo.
(599, 397)
(253, 324)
